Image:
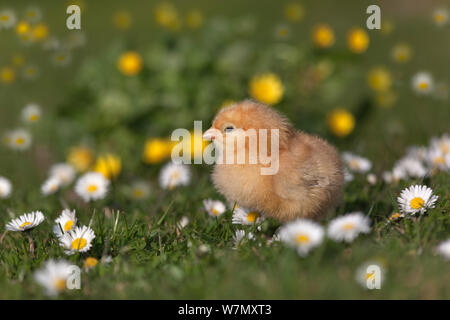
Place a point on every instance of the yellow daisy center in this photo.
(23, 225)
(417, 203)
(92, 188)
(438, 17)
(348, 226)
(79, 243)
(60, 284)
(302, 239)
(137, 193)
(354, 164)
(90, 262)
(20, 141)
(439, 160)
(423, 85)
(68, 225)
(215, 211)
(4, 18)
(34, 117)
(252, 216)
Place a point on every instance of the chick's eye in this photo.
(228, 129)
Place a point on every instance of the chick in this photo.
(309, 179)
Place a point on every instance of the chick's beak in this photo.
(209, 135)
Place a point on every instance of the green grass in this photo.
(151, 258)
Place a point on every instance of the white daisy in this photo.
(5, 188)
(64, 172)
(214, 207)
(92, 186)
(19, 139)
(53, 276)
(411, 167)
(78, 239)
(139, 190)
(416, 199)
(26, 221)
(30, 72)
(245, 217)
(348, 227)
(50, 186)
(65, 222)
(184, 221)
(372, 179)
(348, 176)
(173, 175)
(422, 82)
(62, 58)
(33, 14)
(444, 249)
(356, 163)
(240, 236)
(440, 16)
(302, 234)
(442, 143)
(436, 159)
(7, 19)
(417, 152)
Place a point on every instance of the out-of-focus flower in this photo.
(50, 186)
(18, 60)
(156, 150)
(356, 163)
(422, 82)
(140, 190)
(53, 276)
(387, 26)
(122, 20)
(39, 32)
(395, 216)
(92, 186)
(61, 58)
(440, 16)
(109, 165)
(416, 199)
(7, 75)
(401, 53)
(266, 88)
(294, 12)
(379, 79)
(7, 19)
(78, 239)
(64, 172)
(31, 113)
(371, 179)
(444, 249)
(358, 40)
(214, 207)
(130, 63)
(173, 175)
(304, 235)
(348, 227)
(30, 72)
(194, 19)
(386, 99)
(89, 263)
(166, 15)
(80, 158)
(33, 14)
(196, 145)
(66, 221)
(26, 221)
(282, 31)
(5, 188)
(323, 36)
(19, 139)
(340, 122)
(22, 28)
(184, 221)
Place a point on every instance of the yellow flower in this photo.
(90, 262)
(156, 150)
(197, 145)
(130, 63)
(340, 122)
(109, 165)
(294, 12)
(379, 79)
(401, 53)
(323, 36)
(122, 20)
(194, 19)
(358, 40)
(22, 27)
(386, 99)
(40, 32)
(266, 88)
(18, 60)
(80, 158)
(166, 15)
(8, 75)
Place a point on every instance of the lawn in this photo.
(180, 63)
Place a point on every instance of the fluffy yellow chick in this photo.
(309, 179)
